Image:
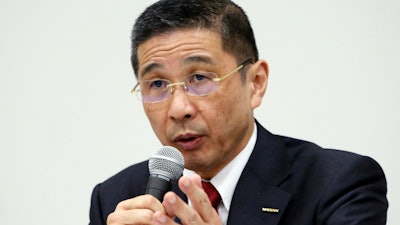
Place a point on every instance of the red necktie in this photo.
(212, 193)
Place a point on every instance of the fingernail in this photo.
(162, 218)
(186, 183)
(172, 200)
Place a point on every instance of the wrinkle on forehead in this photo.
(192, 59)
(178, 44)
(199, 58)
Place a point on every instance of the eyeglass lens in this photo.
(198, 84)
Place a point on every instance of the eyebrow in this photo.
(191, 59)
(148, 68)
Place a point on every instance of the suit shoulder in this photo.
(313, 159)
(127, 183)
(137, 171)
(306, 150)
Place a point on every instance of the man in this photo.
(200, 78)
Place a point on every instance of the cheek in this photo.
(226, 103)
(151, 112)
(156, 118)
(236, 109)
(222, 111)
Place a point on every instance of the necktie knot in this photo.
(212, 193)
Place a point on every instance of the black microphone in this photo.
(165, 165)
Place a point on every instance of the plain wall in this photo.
(68, 120)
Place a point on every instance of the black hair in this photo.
(221, 16)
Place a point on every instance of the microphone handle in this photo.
(158, 185)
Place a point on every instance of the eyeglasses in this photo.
(197, 84)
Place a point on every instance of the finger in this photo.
(163, 219)
(134, 216)
(141, 202)
(176, 207)
(169, 203)
(138, 210)
(196, 179)
(199, 199)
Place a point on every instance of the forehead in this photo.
(177, 47)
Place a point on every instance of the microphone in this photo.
(165, 165)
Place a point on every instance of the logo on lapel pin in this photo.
(270, 210)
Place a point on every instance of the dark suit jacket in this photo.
(286, 181)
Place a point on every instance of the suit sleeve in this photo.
(95, 214)
(356, 195)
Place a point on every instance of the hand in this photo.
(199, 213)
(139, 210)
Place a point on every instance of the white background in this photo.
(68, 121)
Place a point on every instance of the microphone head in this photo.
(167, 161)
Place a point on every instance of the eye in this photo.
(156, 84)
(199, 78)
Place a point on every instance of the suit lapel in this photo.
(256, 207)
(258, 197)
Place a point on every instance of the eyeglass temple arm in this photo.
(234, 71)
(134, 88)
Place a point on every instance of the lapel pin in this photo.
(270, 210)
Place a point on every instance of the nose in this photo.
(181, 106)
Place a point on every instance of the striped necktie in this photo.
(212, 193)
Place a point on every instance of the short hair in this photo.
(221, 16)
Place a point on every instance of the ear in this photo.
(258, 82)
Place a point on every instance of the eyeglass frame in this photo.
(171, 86)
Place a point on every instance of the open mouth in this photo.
(189, 142)
(187, 139)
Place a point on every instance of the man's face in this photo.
(208, 130)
